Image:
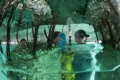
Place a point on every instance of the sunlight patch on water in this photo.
(98, 48)
(93, 42)
(10, 42)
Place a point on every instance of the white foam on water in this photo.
(98, 48)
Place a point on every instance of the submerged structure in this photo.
(29, 51)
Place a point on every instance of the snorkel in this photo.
(69, 29)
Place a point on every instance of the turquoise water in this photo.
(2, 75)
(81, 64)
(79, 50)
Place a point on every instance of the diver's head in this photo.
(22, 40)
(80, 36)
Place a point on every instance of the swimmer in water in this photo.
(81, 36)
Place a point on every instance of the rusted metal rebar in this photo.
(8, 30)
(19, 21)
(111, 5)
(3, 11)
(96, 33)
(36, 33)
(111, 34)
(27, 32)
(1, 47)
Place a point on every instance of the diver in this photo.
(81, 36)
(59, 38)
(22, 40)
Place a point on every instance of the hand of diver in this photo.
(60, 39)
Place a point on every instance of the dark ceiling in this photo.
(74, 9)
